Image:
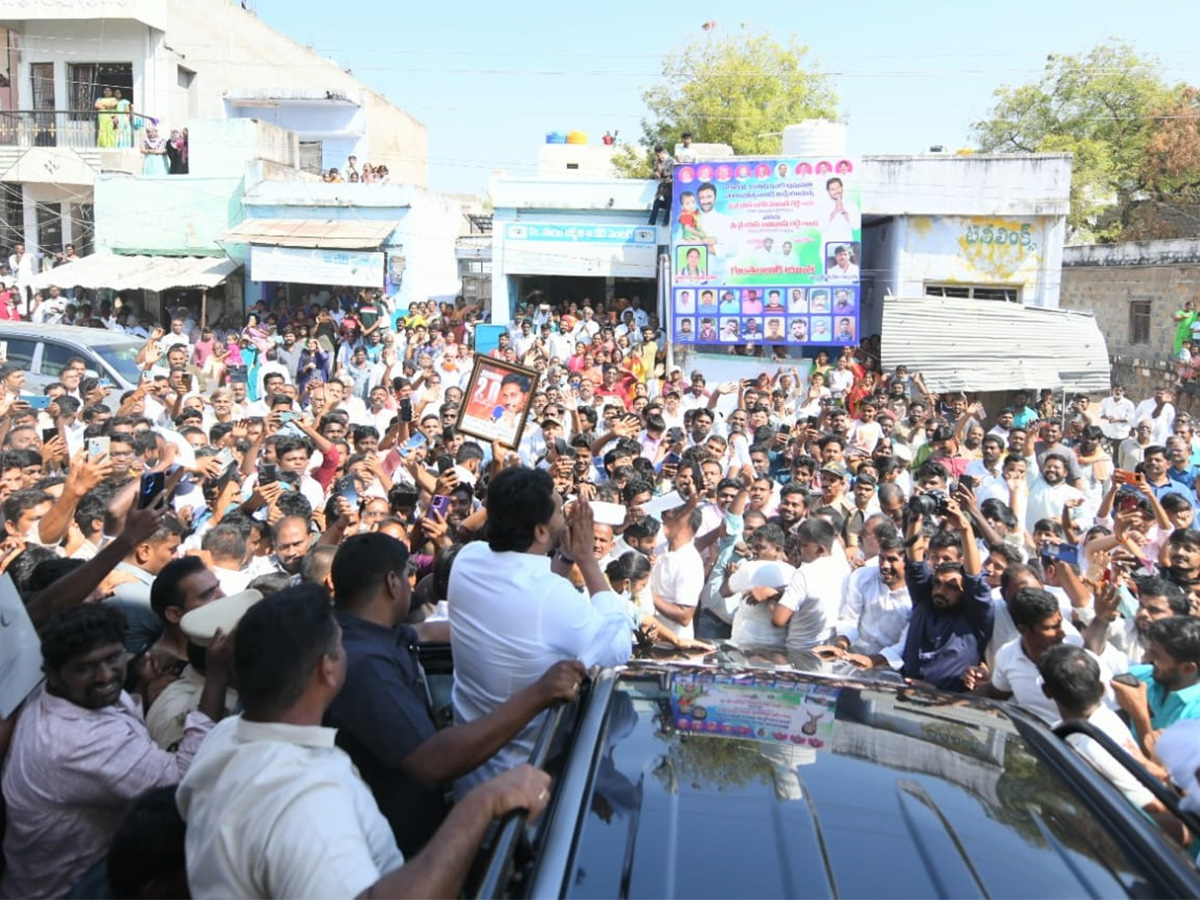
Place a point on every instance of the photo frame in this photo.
(497, 401)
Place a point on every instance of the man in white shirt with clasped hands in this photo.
(513, 613)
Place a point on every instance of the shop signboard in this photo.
(581, 249)
(766, 251)
(302, 265)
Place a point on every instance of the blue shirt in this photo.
(1172, 486)
(1167, 707)
(1187, 477)
(943, 644)
(382, 715)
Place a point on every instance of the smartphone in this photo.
(152, 484)
(440, 504)
(285, 417)
(672, 459)
(1068, 553)
(225, 458)
(1126, 679)
(406, 410)
(347, 489)
(147, 375)
(268, 473)
(38, 401)
(1126, 501)
(417, 440)
(186, 380)
(106, 383)
(1124, 476)
(98, 446)
(560, 446)
(445, 463)
(49, 434)
(967, 482)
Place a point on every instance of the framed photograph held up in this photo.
(497, 401)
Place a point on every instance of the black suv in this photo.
(732, 781)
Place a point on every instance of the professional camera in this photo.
(928, 504)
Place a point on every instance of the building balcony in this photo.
(56, 147)
(76, 129)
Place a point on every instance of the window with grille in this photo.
(1139, 322)
(999, 292)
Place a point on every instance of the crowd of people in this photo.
(368, 174)
(232, 567)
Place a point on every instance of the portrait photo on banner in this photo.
(497, 401)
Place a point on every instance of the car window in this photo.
(56, 356)
(20, 352)
(122, 358)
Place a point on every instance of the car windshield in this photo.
(122, 358)
(766, 784)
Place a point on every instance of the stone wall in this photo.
(1141, 376)
(1107, 279)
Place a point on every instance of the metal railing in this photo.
(77, 129)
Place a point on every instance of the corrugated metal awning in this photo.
(988, 345)
(324, 234)
(149, 273)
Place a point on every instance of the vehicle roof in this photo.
(73, 334)
(710, 782)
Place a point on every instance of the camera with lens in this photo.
(928, 504)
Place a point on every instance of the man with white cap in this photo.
(168, 715)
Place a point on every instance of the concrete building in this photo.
(1134, 291)
(245, 206)
(176, 61)
(398, 238)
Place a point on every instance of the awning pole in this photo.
(204, 309)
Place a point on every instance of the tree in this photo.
(1170, 167)
(1100, 107)
(739, 89)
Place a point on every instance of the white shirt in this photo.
(1121, 411)
(678, 577)
(814, 595)
(987, 485)
(873, 617)
(1120, 778)
(840, 229)
(1015, 673)
(689, 401)
(511, 619)
(752, 625)
(1164, 425)
(1046, 501)
(260, 797)
(840, 381)
(232, 581)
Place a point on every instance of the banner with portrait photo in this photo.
(766, 251)
(497, 401)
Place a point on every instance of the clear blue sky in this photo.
(490, 79)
